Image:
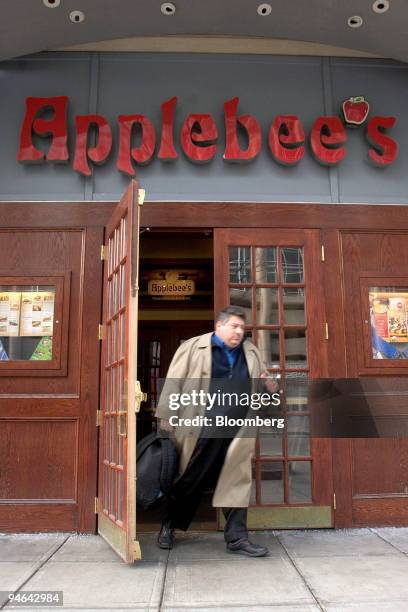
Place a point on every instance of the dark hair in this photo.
(230, 311)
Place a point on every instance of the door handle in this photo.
(140, 396)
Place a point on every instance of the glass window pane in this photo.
(388, 319)
(267, 312)
(240, 264)
(296, 391)
(300, 482)
(298, 428)
(26, 322)
(266, 265)
(295, 348)
(120, 496)
(294, 305)
(243, 299)
(268, 344)
(252, 499)
(272, 482)
(271, 442)
(248, 335)
(292, 264)
(122, 336)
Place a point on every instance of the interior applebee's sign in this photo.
(198, 137)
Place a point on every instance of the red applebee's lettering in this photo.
(198, 137)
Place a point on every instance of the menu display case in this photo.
(31, 316)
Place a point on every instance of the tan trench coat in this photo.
(191, 369)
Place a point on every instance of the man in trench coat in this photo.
(212, 462)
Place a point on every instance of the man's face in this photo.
(231, 331)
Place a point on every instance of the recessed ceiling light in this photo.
(264, 9)
(168, 8)
(355, 21)
(51, 3)
(381, 6)
(77, 16)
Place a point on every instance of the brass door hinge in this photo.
(334, 501)
(96, 505)
(326, 328)
(323, 255)
(135, 550)
(99, 418)
(140, 196)
(104, 253)
(101, 332)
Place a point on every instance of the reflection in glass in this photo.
(240, 264)
(267, 312)
(298, 428)
(272, 482)
(266, 265)
(26, 322)
(120, 496)
(270, 442)
(300, 482)
(292, 264)
(388, 319)
(252, 498)
(268, 344)
(294, 305)
(248, 335)
(295, 348)
(296, 391)
(243, 299)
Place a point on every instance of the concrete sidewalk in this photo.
(307, 571)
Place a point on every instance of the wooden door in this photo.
(275, 275)
(49, 369)
(371, 474)
(120, 390)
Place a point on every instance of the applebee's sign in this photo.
(198, 137)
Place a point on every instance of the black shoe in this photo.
(245, 547)
(166, 536)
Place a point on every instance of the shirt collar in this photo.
(218, 342)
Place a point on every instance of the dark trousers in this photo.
(201, 474)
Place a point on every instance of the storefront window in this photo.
(26, 322)
(388, 319)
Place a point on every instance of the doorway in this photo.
(171, 261)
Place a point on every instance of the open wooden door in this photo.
(120, 391)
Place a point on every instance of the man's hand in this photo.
(165, 425)
(272, 384)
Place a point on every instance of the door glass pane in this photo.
(272, 482)
(298, 428)
(271, 442)
(120, 496)
(292, 264)
(266, 265)
(294, 305)
(388, 320)
(240, 264)
(267, 306)
(252, 498)
(268, 344)
(300, 482)
(295, 348)
(243, 299)
(26, 322)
